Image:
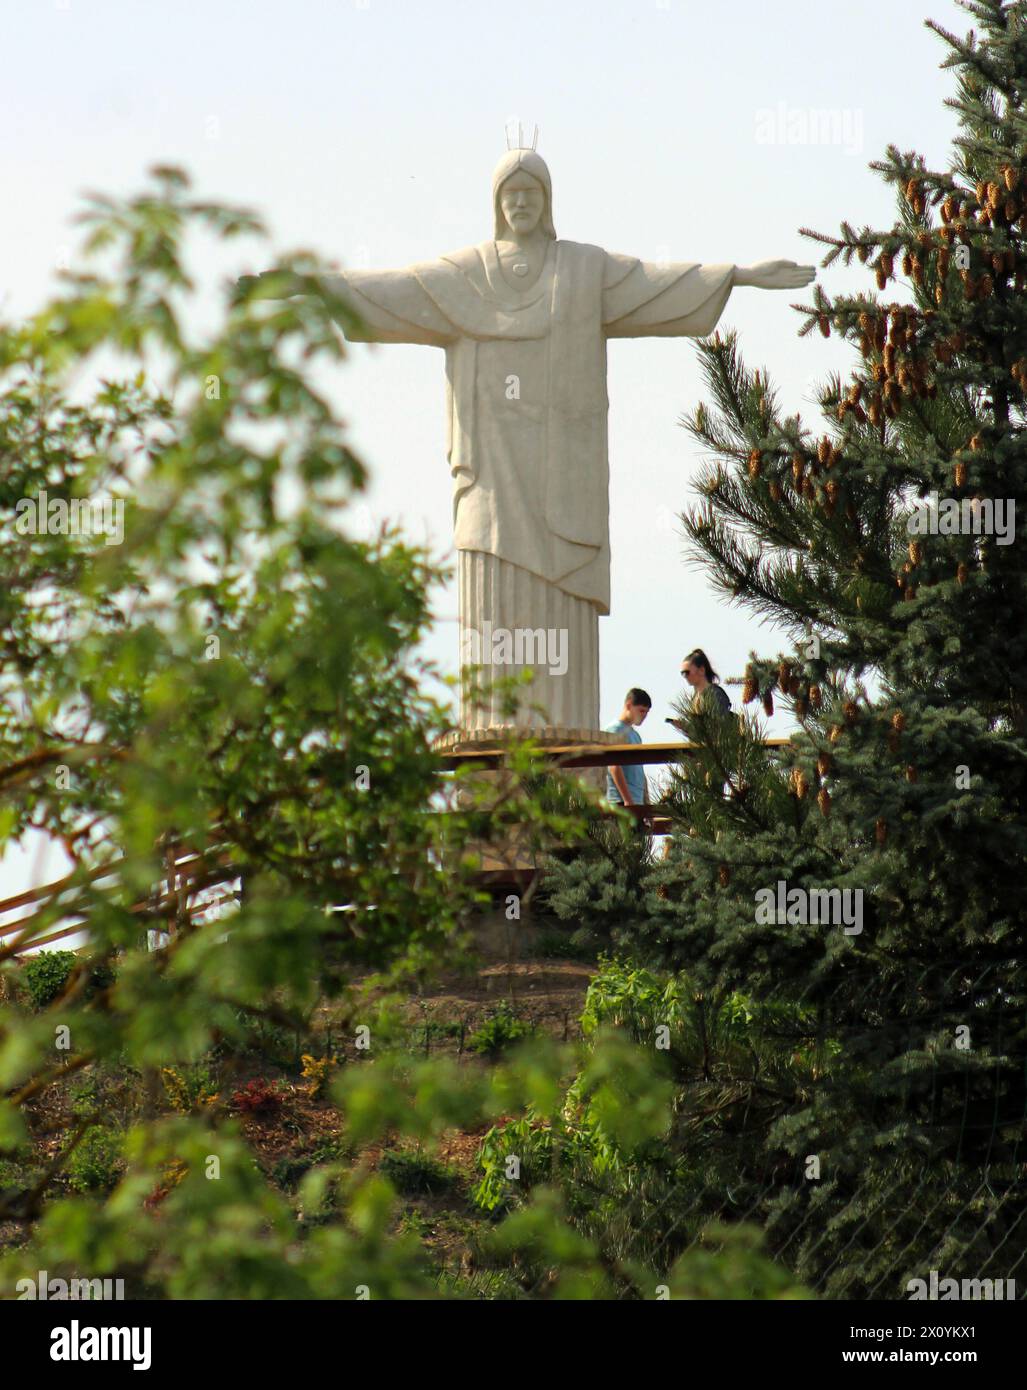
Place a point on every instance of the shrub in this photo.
(553, 944)
(258, 1097)
(96, 1162)
(189, 1088)
(317, 1071)
(47, 974)
(498, 1032)
(412, 1172)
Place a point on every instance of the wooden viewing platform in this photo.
(565, 756)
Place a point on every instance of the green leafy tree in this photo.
(209, 696)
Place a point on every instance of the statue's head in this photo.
(522, 195)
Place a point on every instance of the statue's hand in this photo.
(777, 275)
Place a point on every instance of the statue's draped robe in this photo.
(527, 418)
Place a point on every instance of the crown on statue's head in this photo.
(520, 145)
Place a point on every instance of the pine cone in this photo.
(985, 286)
(881, 830)
(911, 773)
(775, 491)
(836, 733)
(888, 360)
(824, 801)
(755, 463)
(961, 572)
(724, 875)
(824, 324)
(816, 698)
(801, 709)
(851, 711)
(824, 450)
(800, 783)
(959, 474)
(784, 676)
(898, 721)
(824, 763)
(977, 442)
(768, 703)
(916, 552)
(907, 263)
(866, 323)
(749, 689)
(1010, 176)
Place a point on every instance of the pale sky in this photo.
(367, 130)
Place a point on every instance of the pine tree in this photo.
(906, 674)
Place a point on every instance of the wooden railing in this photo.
(599, 755)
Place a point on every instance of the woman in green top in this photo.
(701, 676)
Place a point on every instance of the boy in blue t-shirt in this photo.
(626, 786)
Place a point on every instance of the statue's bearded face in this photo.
(523, 201)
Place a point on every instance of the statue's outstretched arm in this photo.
(775, 275)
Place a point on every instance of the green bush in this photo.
(415, 1173)
(47, 974)
(553, 944)
(96, 1162)
(498, 1032)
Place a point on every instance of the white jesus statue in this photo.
(524, 319)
